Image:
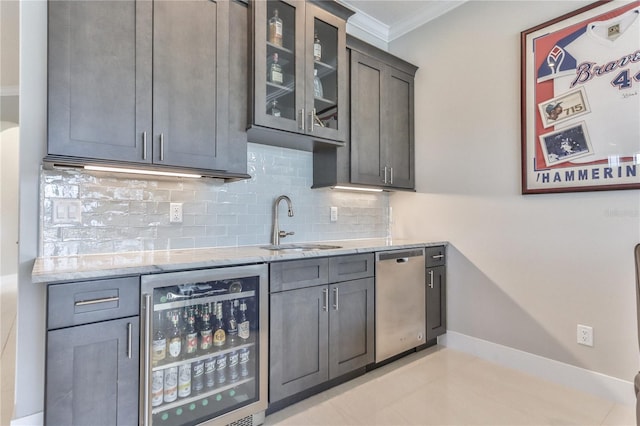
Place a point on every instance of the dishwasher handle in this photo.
(400, 256)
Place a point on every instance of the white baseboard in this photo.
(36, 419)
(608, 387)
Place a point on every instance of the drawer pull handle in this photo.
(325, 304)
(96, 301)
(144, 145)
(129, 340)
(437, 256)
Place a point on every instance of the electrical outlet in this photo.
(334, 214)
(585, 335)
(175, 213)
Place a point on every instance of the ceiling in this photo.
(390, 19)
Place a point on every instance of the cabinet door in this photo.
(278, 64)
(325, 74)
(436, 302)
(399, 139)
(368, 113)
(92, 374)
(190, 83)
(298, 330)
(351, 331)
(99, 79)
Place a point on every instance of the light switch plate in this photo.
(334, 214)
(66, 210)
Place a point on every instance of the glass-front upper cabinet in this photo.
(300, 75)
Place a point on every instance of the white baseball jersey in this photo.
(604, 59)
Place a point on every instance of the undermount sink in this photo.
(300, 247)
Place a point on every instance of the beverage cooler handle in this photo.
(146, 402)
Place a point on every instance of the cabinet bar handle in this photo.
(385, 175)
(335, 298)
(301, 121)
(325, 303)
(96, 301)
(146, 383)
(311, 118)
(437, 256)
(129, 340)
(144, 145)
(430, 279)
(391, 175)
(161, 146)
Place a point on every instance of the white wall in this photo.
(33, 134)
(9, 137)
(523, 270)
(9, 70)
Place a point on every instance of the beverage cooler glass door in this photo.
(204, 346)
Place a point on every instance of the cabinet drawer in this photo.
(298, 274)
(353, 267)
(90, 301)
(435, 256)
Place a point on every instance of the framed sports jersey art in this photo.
(580, 96)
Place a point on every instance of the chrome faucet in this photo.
(276, 233)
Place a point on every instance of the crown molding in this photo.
(370, 25)
(362, 23)
(429, 12)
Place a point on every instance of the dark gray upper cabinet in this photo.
(299, 93)
(99, 78)
(380, 149)
(142, 83)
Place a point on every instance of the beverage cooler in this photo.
(204, 347)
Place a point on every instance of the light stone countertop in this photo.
(95, 266)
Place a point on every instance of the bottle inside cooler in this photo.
(210, 364)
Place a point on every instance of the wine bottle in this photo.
(174, 343)
(159, 345)
(244, 331)
(219, 335)
(275, 29)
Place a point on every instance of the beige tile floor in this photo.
(8, 347)
(441, 386)
(438, 386)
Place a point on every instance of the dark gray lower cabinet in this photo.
(298, 341)
(436, 279)
(320, 332)
(92, 355)
(92, 374)
(351, 329)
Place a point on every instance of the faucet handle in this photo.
(283, 234)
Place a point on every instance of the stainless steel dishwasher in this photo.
(400, 302)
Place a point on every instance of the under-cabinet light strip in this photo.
(140, 172)
(357, 188)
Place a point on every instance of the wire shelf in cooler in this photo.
(202, 395)
(212, 354)
(194, 300)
